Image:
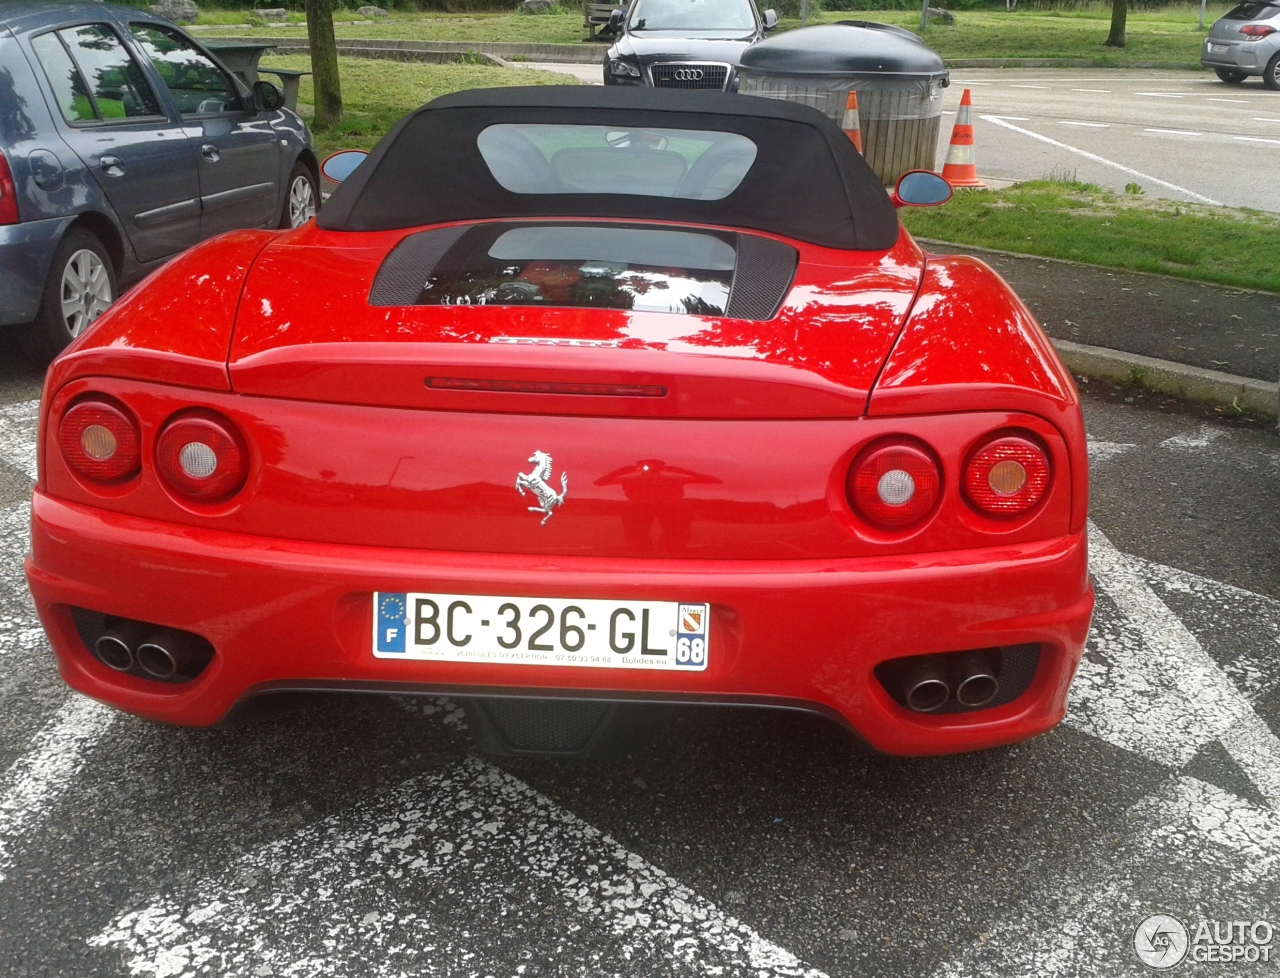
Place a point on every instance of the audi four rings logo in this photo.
(688, 74)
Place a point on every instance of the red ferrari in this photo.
(569, 399)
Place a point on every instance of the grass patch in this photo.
(1169, 34)
(375, 94)
(1085, 223)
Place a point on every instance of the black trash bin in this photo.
(898, 78)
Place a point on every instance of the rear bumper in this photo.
(1250, 58)
(26, 250)
(286, 614)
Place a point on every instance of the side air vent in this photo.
(402, 275)
(761, 277)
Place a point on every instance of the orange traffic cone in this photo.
(850, 125)
(961, 170)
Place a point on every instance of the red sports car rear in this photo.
(568, 402)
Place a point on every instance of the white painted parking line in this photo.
(1174, 132)
(1086, 125)
(1080, 922)
(1043, 87)
(1158, 94)
(1150, 688)
(1237, 101)
(1263, 118)
(1093, 91)
(18, 435)
(37, 779)
(1004, 121)
(345, 897)
(1257, 139)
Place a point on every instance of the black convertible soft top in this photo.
(807, 181)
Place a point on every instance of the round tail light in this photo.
(1006, 476)
(895, 484)
(202, 457)
(100, 441)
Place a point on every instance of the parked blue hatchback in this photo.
(123, 142)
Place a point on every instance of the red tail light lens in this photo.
(1007, 476)
(8, 194)
(894, 484)
(100, 441)
(1255, 32)
(202, 457)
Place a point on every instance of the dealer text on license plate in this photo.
(541, 631)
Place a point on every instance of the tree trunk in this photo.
(1119, 15)
(324, 64)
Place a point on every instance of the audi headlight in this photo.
(624, 69)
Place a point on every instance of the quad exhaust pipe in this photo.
(115, 648)
(163, 654)
(929, 682)
(167, 655)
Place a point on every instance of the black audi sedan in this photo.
(683, 43)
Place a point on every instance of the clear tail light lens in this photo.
(1006, 476)
(202, 457)
(894, 484)
(100, 441)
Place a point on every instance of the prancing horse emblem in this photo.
(536, 481)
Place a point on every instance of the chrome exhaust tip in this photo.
(925, 689)
(115, 648)
(168, 655)
(978, 684)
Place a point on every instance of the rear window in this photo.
(1253, 10)
(643, 268)
(689, 164)
(647, 270)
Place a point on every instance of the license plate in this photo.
(1218, 47)
(541, 631)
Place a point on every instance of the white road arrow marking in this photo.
(1150, 687)
(39, 777)
(1180, 850)
(1003, 122)
(374, 891)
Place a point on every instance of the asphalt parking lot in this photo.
(366, 837)
(1179, 135)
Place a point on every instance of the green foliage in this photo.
(1083, 223)
(375, 94)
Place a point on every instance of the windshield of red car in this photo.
(692, 15)
(573, 159)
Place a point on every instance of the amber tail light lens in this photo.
(100, 441)
(202, 457)
(1006, 476)
(894, 484)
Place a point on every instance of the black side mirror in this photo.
(266, 96)
(617, 17)
(340, 165)
(770, 19)
(920, 188)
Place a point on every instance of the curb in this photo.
(440, 51)
(932, 242)
(1069, 63)
(434, 51)
(1178, 379)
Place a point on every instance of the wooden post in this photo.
(1200, 25)
(924, 15)
(324, 64)
(804, 13)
